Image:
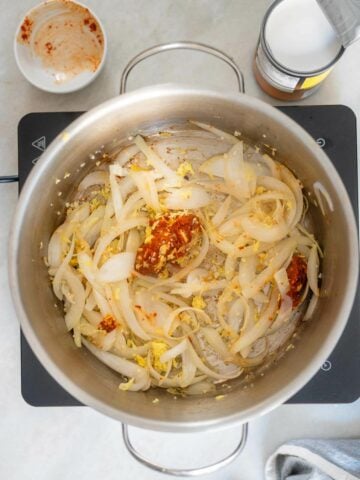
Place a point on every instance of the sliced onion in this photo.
(283, 252)
(60, 272)
(126, 186)
(197, 275)
(69, 298)
(77, 335)
(174, 352)
(200, 365)
(91, 227)
(284, 314)
(146, 185)
(60, 240)
(175, 313)
(310, 238)
(126, 154)
(293, 183)
(264, 233)
(122, 366)
(107, 220)
(247, 271)
(189, 197)
(303, 250)
(110, 292)
(73, 315)
(55, 248)
(124, 350)
(115, 232)
(188, 368)
(260, 326)
(230, 266)
(93, 178)
(282, 281)
(89, 270)
(133, 241)
(248, 251)
(311, 308)
(214, 166)
(225, 246)
(248, 324)
(115, 194)
(125, 305)
(133, 202)
(87, 328)
(277, 189)
(230, 228)
(200, 388)
(103, 304)
(160, 380)
(214, 339)
(156, 162)
(273, 167)
(194, 288)
(239, 175)
(313, 270)
(153, 307)
(220, 215)
(275, 185)
(216, 131)
(94, 318)
(171, 298)
(118, 267)
(108, 341)
(251, 362)
(260, 298)
(237, 313)
(320, 193)
(118, 170)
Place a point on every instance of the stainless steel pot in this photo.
(149, 109)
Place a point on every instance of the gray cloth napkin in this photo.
(344, 16)
(315, 460)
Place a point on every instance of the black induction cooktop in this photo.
(334, 128)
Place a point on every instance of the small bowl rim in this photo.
(55, 89)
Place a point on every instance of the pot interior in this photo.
(41, 209)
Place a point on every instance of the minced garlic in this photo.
(130, 343)
(148, 234)
(157, 349)
(256, 246)
(220, 397)
(198, 302)
(127, 385)
(94, 204)
(260, 190)
(140, 360)
(184, 169)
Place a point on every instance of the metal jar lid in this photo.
(283, 68)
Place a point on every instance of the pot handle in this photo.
(200, 47)
(191, 472)
(9, 178)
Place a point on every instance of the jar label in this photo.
(273, 75)
(310, 82)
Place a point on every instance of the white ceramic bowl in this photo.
(60, 47)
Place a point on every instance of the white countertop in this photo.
(68, 443)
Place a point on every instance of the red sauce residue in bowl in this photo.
(65, 36)
(25, 29)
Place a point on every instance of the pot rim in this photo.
(242, 416)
